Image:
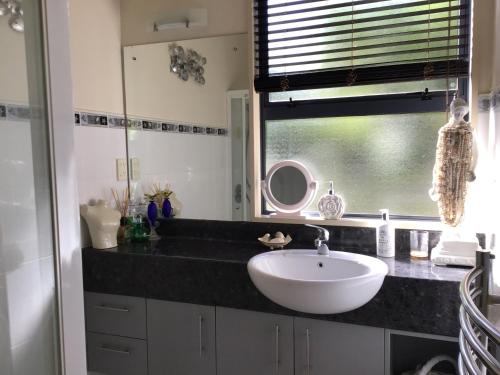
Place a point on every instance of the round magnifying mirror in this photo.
(289, 187)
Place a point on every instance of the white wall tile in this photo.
(96, 153)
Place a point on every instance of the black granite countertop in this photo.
(241, 252)
(415, 296)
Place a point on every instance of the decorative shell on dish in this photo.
(278, 242)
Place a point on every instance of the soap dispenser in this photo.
(331, 205)
(385, 236)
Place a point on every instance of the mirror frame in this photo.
(292, 209)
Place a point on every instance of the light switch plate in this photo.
(135, 169)
(121, 169)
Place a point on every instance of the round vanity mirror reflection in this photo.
(289, 187)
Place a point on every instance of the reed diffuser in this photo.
(122, 201)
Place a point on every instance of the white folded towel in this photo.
(459, 248)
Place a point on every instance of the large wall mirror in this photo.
(187, 108)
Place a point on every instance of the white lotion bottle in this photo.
(385, 237)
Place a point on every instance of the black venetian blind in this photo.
(302, 44)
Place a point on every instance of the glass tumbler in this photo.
(419, 244)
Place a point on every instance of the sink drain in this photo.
(320, 264)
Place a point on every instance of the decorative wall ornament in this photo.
(187, 62)
(13, 9)
(454, 166)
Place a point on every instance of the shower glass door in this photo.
(28, 293)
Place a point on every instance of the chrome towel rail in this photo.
(479, 339)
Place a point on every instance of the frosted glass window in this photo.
(377, 161)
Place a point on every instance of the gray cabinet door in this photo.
(328, 348)
(181, 338)
(253, 343)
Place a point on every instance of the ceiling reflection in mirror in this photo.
(186, 133)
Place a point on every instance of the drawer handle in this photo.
(200, 327)
(308, 352)
(277, 348)
(106, 348)
(112, 308)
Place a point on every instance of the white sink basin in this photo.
(304, 281)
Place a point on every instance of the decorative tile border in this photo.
(486, 102)
(114, 121)
(102, 120)
(16, 112)
(173, 127)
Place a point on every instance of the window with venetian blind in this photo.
(357, 90)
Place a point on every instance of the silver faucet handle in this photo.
(324, 234)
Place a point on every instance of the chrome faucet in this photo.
(322, 240)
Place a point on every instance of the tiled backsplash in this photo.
(16, 112)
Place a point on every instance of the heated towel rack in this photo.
(479, 338)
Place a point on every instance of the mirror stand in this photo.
(289, 188)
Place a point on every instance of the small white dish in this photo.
(278, 242)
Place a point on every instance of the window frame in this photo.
(352, 106)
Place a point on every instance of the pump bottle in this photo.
(385, 236)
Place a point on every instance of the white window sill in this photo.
(354, 222)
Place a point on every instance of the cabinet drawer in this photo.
(112, 355)
(115, 315)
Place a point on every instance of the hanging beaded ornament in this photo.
(453, 167)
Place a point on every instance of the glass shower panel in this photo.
(239, 131)
(28, 314)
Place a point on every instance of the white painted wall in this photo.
(496, 46)
(13, 78)
(95, 30)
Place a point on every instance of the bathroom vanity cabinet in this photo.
(139, 336)
(251, 343)
(221, 324)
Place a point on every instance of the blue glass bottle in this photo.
(152, 212)
(166, 208)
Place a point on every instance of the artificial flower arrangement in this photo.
(159, 199)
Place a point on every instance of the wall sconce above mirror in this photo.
(289, 187)
(182, 18)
